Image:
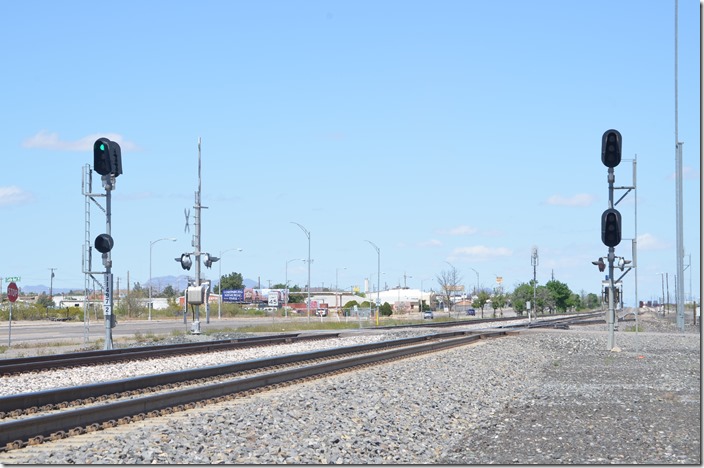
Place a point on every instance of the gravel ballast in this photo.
(542, 397)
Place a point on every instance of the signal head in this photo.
(104, 243)
(611, 227)
(611, 148)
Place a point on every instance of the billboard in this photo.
(233, 295)
(255, 295)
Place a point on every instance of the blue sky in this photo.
(452, 131)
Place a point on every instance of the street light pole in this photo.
(220, 277)
(151, 244)
(307, 233)
(336, 276)
(475, 271)
(337, 289)
(378, 277)
(286, 285)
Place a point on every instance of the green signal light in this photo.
(102, 147)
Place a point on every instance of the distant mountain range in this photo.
(176, 282)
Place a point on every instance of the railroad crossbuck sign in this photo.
(13, 292)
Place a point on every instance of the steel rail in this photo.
(17, 433)
(477, 321)
(118, 351)
(60, 396)
(20, 365)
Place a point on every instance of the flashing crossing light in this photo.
(209, 260)
(185, 260)
(600, 263)
(622, 262)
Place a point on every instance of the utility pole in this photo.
(534, 262)
(679, 277)
(51, 286)
(196, 240)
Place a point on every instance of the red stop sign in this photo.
(12, 292)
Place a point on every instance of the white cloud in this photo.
(430, 243)
(52, 141)
(688, 173)
(459, 231)
(480, 252)
(581, 199)
(14, 196)
(650, 242)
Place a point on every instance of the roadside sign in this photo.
(11, 279)
(273, 298)
(13, 292)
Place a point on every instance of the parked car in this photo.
(428, 314)
(321, 312)
(471, 312)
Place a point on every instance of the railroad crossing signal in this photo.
(600, 263)
(209, 259)
(185, 260)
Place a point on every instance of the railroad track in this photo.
(87, 358)
(32, 418)
(542, 321)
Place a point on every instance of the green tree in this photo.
(385, 310)
(298, 297)
(543, 299)
(592, 301)
(498, 302)
(449, 281)
(44, 301)
(559, 296)
(232, 281)
(522, 294)
(132, 304)
(481, 300)
(169, 292)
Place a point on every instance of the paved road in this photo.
(47, 331)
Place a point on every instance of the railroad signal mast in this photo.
(611, 226)
(107, 161)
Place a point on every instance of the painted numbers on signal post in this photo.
(107, 297)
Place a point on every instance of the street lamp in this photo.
(378, 277)
(420, 300)
(307, 233)
(286, 284)
(452, 277)
(336, 274)
(337, 289)
(151, 244)
(477, 278)
(220, 277)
